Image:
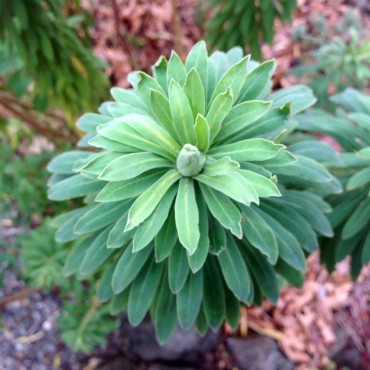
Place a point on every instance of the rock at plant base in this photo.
(258, 353)
(344, 352)
(166, 367)
(119, 363)
(184, 346)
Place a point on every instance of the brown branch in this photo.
(34, 123)
(179, 47)
(7, 97)
(121, 35)
(23, 294)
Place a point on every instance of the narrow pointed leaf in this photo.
(187, 215)
(202, 133)
(146, 203)
(181, 114)
(195, 92)
(129, 166)
(223, 210)
(178, 268)
(189, 300)
(142, 292)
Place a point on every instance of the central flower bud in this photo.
(190, 160)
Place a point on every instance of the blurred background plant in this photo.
(46, 65)
(341, 56)
(245, 23)
(349, 129)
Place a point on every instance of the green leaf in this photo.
(235, 187)
(198, 258)
(359, 179)
(77, 254)
(161, 109)
(96, 255)
(264, 187)
(358, 220)
(119, 302)
(218, 110)
(260, 235)
(165, 239)
(104, 289)
(195, 92)
(214, 295)
(240, 117)
(365, 255)
(115, 191)
(145, 85)
(223, 210)
(96, 164)
(178, 268)
(147, 231)
(293, 276)
(264, 273)
(317, 150)
(142, 292)
(127, 96)
(310, 212)
(187, 215)
(299, 96)
(132, 165)
(165, 313)
(289, 248)
(175, 69)
(117, 109)
(295, 223)
(181, 113)
(198, 59)
(202, 133)
(111, 145)
(251, 150)
(143, 133)
(218, 237)
(233, 78)
(99, 217)
(232, 313)
(146, 203)
(74, 187)
(88, 122)
(234, 270)
(65, 230)
(117, 237)
(63, 163)
(128, 267)
(189, 300)
(220, 167)
(304, 169)
(256, 81)
(160, 72)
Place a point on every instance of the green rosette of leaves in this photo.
(184, 215)
(350, 218)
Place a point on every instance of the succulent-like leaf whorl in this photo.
(184, 215)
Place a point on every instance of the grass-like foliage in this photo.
(192, 205)
(245, 22)
(46, 56)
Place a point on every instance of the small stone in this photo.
(184, 346)
(258, 353)
(166, 367)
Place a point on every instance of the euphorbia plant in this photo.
(192, 205)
